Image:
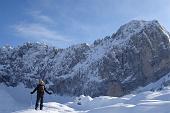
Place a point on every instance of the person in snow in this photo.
(40, 94)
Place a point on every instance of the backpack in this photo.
(41, 89)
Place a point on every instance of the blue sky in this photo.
(62, 23)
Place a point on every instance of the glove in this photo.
(31, 93)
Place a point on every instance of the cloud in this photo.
(38, 16)
(38, 32)
(41, 28)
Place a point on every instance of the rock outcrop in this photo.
(136, 55)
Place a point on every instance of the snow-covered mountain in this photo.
(136, 55)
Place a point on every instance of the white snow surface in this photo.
(158, 85)
(18, 100)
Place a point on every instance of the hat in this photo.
(41, 82)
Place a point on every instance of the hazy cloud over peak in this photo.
(68, 22)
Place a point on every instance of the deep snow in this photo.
(18, 100)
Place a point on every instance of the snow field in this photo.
(18, 100)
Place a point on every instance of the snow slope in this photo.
(19, 98)
(51, 107)
(158, 85)
(145, 102)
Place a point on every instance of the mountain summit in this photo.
(136, 55)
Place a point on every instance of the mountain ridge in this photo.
(136, 55)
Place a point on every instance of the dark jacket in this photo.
(39, 90)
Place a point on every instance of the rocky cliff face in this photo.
(136, 55)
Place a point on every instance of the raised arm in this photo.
(34, 90)
(47, 91)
